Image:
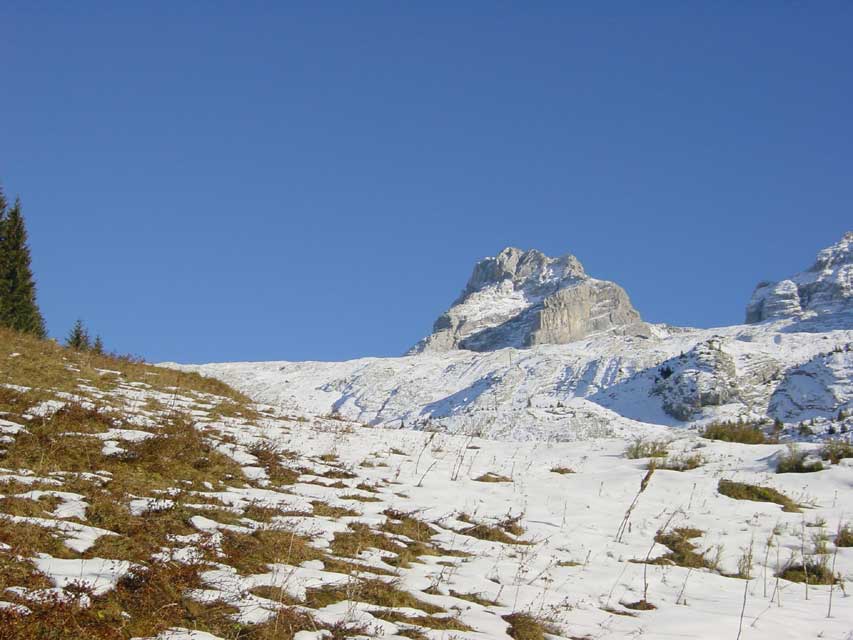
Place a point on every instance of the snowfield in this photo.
(569, 566)
(605, 385)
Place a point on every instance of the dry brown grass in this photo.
(361, 537)
(497, 532)
(682, 552)
(338, 474)
(744, 491)
(562, 470)
(360, 498)
(251, 553)
(524, 626)
(813, 572)
(795, 460)
(43, 365)
(836, 450)
(325, 510)
(492, 477)
(27, 539)
(143, 603)
(381, 593)
(685, 462)
(474, 597)
(406, 524)
(271, 459)
(430, 622)
(641, 448)
(744, 433)
(845, 536)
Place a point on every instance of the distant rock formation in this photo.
(524, 298)
(825, 289)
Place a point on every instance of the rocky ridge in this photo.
(824, 289)
(525, 298)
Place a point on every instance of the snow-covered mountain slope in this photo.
(793, 368)
(524, 298)
(606, 385)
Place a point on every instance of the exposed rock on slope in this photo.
(825, 289)
(820, 387)
(524, 298)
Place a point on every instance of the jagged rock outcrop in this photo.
(825, 289)
(524, 298)
(705, 376)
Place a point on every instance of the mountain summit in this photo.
(824, 289)
(524, 298)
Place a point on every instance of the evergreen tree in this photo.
(78, 338)
(18, 308)
(98, 346)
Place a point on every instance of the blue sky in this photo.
(236, 181)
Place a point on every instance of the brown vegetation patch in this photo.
(492, 477)
(744, 491)
(372, 591)
(524, 626)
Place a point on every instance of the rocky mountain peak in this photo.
(825, 289)
(522, 298)
(527, 270)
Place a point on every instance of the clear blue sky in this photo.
(221, 181)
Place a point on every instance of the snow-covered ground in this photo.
(539, 528)
(601, 386)
(567, 565)
(570, 568)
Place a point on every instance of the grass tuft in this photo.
(742, 432)
(562, 470)
(836, 450)
(641, 448)
(524, 626)
(844, 537)
(744, 491)
(678, 463)
(814, 572)
(795, 460)
(682, 552)
(492, 477)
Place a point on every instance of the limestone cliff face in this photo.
(825, 289)
(524, 298)
(589, 306)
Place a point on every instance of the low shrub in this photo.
(844, 537)
(683, 462)
(835, 450)
(562, 470)
(497, 532)
(682, 552)
(641, 448)
(431, 622)
(372, 591)
(524, 626)
(795, 460)
(743, 432)
(813, 572)
(492, 477)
